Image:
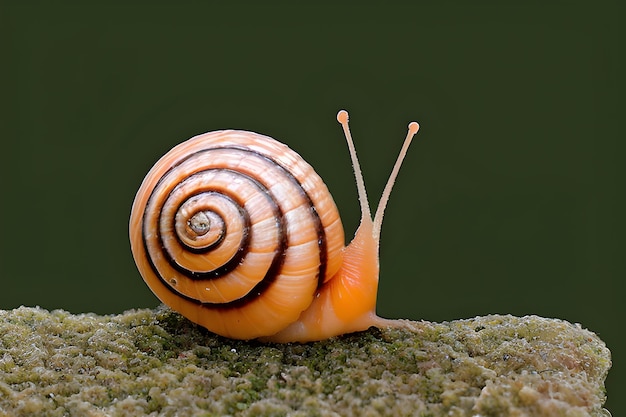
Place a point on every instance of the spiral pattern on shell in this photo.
(235, 231)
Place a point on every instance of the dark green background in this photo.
(511, 199)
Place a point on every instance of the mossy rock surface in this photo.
(154, 362)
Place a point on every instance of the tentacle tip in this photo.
(413, 127)
(342, 116)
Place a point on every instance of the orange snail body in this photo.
(237, 232)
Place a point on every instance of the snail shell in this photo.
(237, 232)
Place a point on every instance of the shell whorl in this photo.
(235, 231)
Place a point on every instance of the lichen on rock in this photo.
(154, 362)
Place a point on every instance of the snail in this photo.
(235, 231)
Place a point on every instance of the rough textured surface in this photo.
(154, 362)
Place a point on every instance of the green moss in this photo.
(155, 361)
